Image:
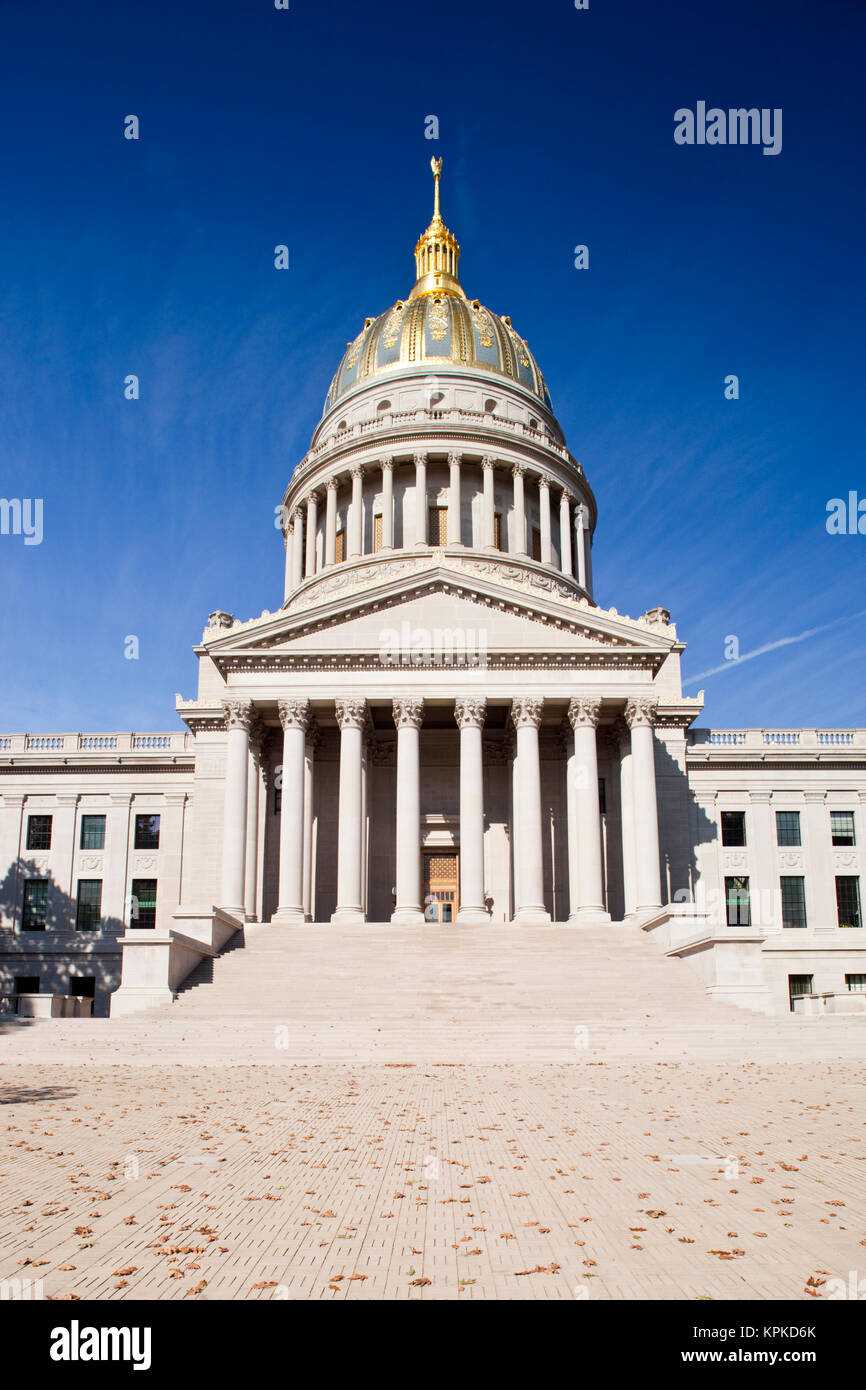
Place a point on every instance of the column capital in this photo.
(258, 734)
(408, 712)
(518, 470)
(567, 496)
(239, 714)
(351, 714)
(488, 463)
(312, 497)
(454, 458)
(298, 516)
(641, 713)
(581, 514)
(294, 714)
(470, 711)
(386, 465)
(332, 485)
(526, 712)
(419, 460)
(357, 470)
(543, 480)
(584, 710)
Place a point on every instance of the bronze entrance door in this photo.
(440, 887)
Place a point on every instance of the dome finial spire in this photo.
(437, 253)
(436, 166)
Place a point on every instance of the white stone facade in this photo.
(439, 692)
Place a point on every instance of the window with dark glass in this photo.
(92, 832)
(842, 828)
(39, 832)
(143, 906)
(856, 984)
(536, 543)
(147, 832)
(82, 986)
(734, 829)
(26, 984)
(788, 828)
(848, 901)
(497, 530)
(278, 800)
(89, 907)
(737, 901)
(35, 906)
(793, 902)
(437, 525)
(798, 985)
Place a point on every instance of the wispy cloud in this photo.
(773, 646)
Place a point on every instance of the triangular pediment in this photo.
(509, 607)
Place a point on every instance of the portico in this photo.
(511, 790)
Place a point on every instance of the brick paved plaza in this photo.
(588, 1179)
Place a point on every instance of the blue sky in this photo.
(306, 127)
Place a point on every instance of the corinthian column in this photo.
(356, 512)
(251, 872)
(526, 714)
(420, 499)
(565, 533)
(640, 717)
(519, 543)
(295, 718)
(312, 527)
(331, 522)
(469, 714)
(351, 716)
(586, 896)
(544, 520)
(580, 542)
(488, 514)
(297, 547)
(454, 530)
(387, 504)
(239, 720)
(408, 716)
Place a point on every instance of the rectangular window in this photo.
(89, 909)
(497, 530)
(793, 902)
(734, 829)
(26, 984)
(437, 526)
(842, 828)
(340, 547)
(377, 532)
(848, 901)
(788, 828)
(82, 986)
(39, 832)
(143, 906)
(856, 984)
(737, 900)
(92, 832)
(602, 797)
(535, 543)
(278, 800)
(35, 907)
(798, 985)
(147, 832)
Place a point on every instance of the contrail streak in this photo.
(772, 646)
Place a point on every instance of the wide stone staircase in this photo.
(440, 994)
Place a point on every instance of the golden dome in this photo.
(436, 327)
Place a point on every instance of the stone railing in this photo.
(175, 742)
(767, 740)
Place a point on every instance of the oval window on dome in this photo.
(436, 398)
(490, 405)
(383, 407)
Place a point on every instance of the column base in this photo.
(589, 914)
(348, 916)
(407, 917)
(472, 917)
(531, 917)
(288, 917)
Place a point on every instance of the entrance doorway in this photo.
(440, 887)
